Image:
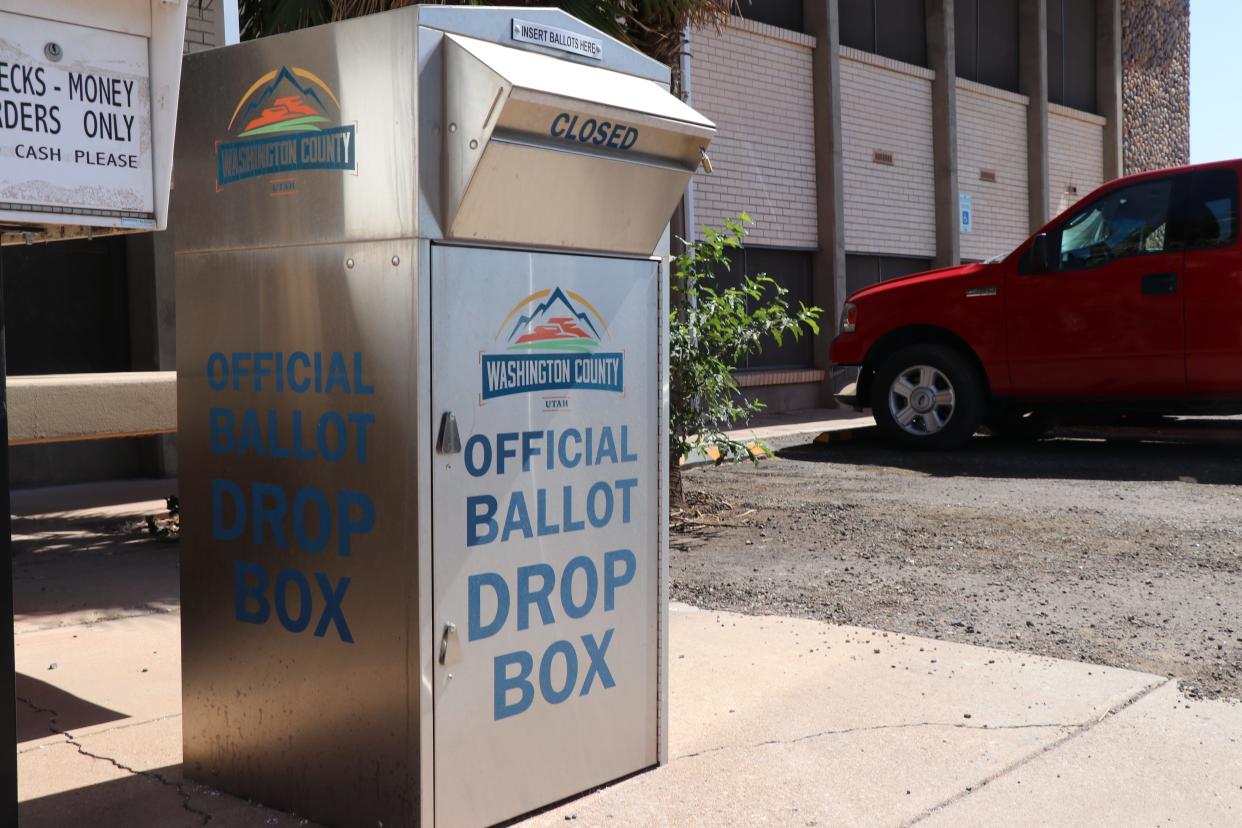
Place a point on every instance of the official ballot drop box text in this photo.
(421, 319)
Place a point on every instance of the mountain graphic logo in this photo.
(553, 320)
(288, 99)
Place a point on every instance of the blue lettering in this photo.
(244, 592)
(238, 370)
(217, 371)
(626, 455)
(364, 523)
(625, 486)
(581, 562)
(262, 514)
(606, 448)
(220, 430)
(337, 374)
(323, 513)
(597, 520)
(251, 434)
(332, 611)
(517, 518)
(476, 629)
(220, 488)
(298, 580)
(473, 468)
(567, 503)
(503, 683)
(526, 597)
(360, 387)
(559, 119)
(503, 451)
(362, 421)
(614, 580)
(541, 511)
(598, 666)
(321, 434)
(550, 694)
(273, 441)
(564, 442)
(475, 517)
(295, 385)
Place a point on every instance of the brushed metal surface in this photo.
(486, 768)
(316, 725)
(513, 174)
(370, 66)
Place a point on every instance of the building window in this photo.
(892, 28)
(792, 270)
(1071, 54)
(863, 269)
(787, 14)
(987, 41)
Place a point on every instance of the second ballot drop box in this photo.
(421, 320)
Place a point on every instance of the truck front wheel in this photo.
(927, 397)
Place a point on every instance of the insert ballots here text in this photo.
(603, 494)
(310, 521)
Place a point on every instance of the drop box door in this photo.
(545, 527)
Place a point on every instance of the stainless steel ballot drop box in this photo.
(423, 421)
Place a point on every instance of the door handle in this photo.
(1159, 284)
(450, 649)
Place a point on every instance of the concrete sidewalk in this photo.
(789, 428)
(775, 721)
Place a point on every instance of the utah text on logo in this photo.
(282, 125)
(552, 347)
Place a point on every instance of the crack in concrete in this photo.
(184, 795)
(872, 728)
(1078, 730)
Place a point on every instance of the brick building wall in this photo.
(1075, 156)
(1155, 86)
(886, 108)
(754, 82)
(991, 138)
(200, 25)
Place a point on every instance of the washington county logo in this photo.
(551, 342)
(283, 124)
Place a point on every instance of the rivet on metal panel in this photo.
(474, 144)
(452, 127)
(349, 264)
(396, 260)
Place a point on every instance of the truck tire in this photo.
(927, 397)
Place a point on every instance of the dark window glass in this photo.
(862, 270)
(986, 39)
(998, 44)
(966, 38)
(67, 306)
(1210, 217)
(901, 30)
(786, 14)
(1128, 222)
(857, 24)
(1071, 54)
(792, 270)
(892, 28)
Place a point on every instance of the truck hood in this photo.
(943, 274)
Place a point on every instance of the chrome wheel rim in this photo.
(921, 400)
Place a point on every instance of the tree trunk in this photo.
(676, 494)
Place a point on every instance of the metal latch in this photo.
(450, 650)
(449, 441)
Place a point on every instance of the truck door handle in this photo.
(1159, 284)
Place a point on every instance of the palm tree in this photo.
(656, 27)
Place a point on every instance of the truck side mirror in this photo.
(1039, 254)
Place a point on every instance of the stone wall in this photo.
(1155, 55)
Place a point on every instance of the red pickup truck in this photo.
(1129, 301)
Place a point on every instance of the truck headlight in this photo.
(849, 317)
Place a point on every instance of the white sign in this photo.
(555, 38)
(75, 120)
(968, 213)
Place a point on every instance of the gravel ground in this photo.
(1125, 554)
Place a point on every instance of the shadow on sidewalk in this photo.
(44, 709)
